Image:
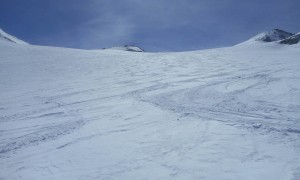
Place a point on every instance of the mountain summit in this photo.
(273, 35)
(269, 36)
(131, 48)
(9, 38)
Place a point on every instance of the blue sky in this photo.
(155, 25)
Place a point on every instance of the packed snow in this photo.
(229, 113)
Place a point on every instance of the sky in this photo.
(154, 25)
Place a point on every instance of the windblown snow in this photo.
(228, 113)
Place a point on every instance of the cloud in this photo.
(109, 30)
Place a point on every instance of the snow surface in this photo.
(229, 113)
(9, 38)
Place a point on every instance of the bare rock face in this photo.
(273, 35)
(295, 39)
(268, 36)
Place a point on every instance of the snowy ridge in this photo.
(295, 39)
(127, 48)
(9, 38)
(269, 36)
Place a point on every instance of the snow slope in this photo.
(9, 38)
(229, 113)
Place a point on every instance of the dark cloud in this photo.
(155, 25)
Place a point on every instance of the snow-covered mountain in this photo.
(269, 36)
(295, 39)
(227, 113)
(127, 48)
(9, 38)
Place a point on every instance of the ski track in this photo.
(226, 113)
